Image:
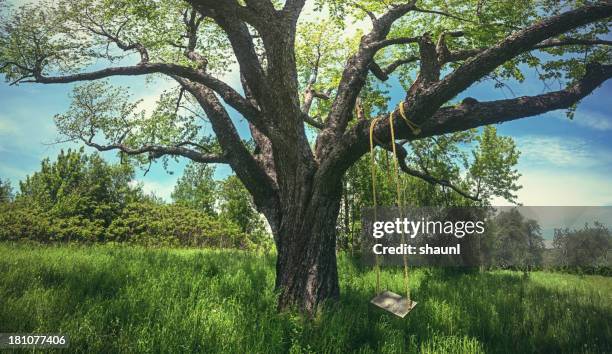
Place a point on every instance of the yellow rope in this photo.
(373, 170)
(416, 130)
(373, 160)
(398, 194)
(399, 200)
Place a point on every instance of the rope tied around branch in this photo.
(416, 130)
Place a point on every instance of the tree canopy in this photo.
(441, 47)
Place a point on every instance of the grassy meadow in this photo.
(126, 299)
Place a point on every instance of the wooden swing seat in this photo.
(394, 303)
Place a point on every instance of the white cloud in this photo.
(232, 76)
(160, 189)
(554, 188)
(21, 2)
(593, 120)
(584, 118)
(539, 150)
(562, 171)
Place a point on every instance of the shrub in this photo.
(144, 223)
(20, 223)
(172, 225)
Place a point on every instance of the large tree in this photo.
(437, 48)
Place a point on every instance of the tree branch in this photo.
(157, 151)
(429, 66)
(229, 95)
(480, 65)
(549, 43)
(393, 41)
(436, 181)
(233, 19)
(101, 31)
(469, 114)
(293, 8)
(442, 49)
(144, 54)
(442, 13)
(312, 121)
(383, 74)
(192, 21)
(309, 95)
(402, 154)
(251, 14)
(473, 114)
(427, 54)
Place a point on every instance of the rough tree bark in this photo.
(299, 189)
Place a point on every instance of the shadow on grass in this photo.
(496, 310)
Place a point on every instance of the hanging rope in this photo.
(373, 170)
(399, 200)
(416, 130)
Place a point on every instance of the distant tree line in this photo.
(515, 242)
(82, 198)
(587, 249)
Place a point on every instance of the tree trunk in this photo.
(306, 272)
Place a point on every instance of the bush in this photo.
(20, 223)
(82, 198)
(144, 223)
(173, 225)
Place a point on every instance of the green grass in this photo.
(111, 299)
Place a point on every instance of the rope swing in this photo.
(387, 300)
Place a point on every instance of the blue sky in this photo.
(563, 162)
